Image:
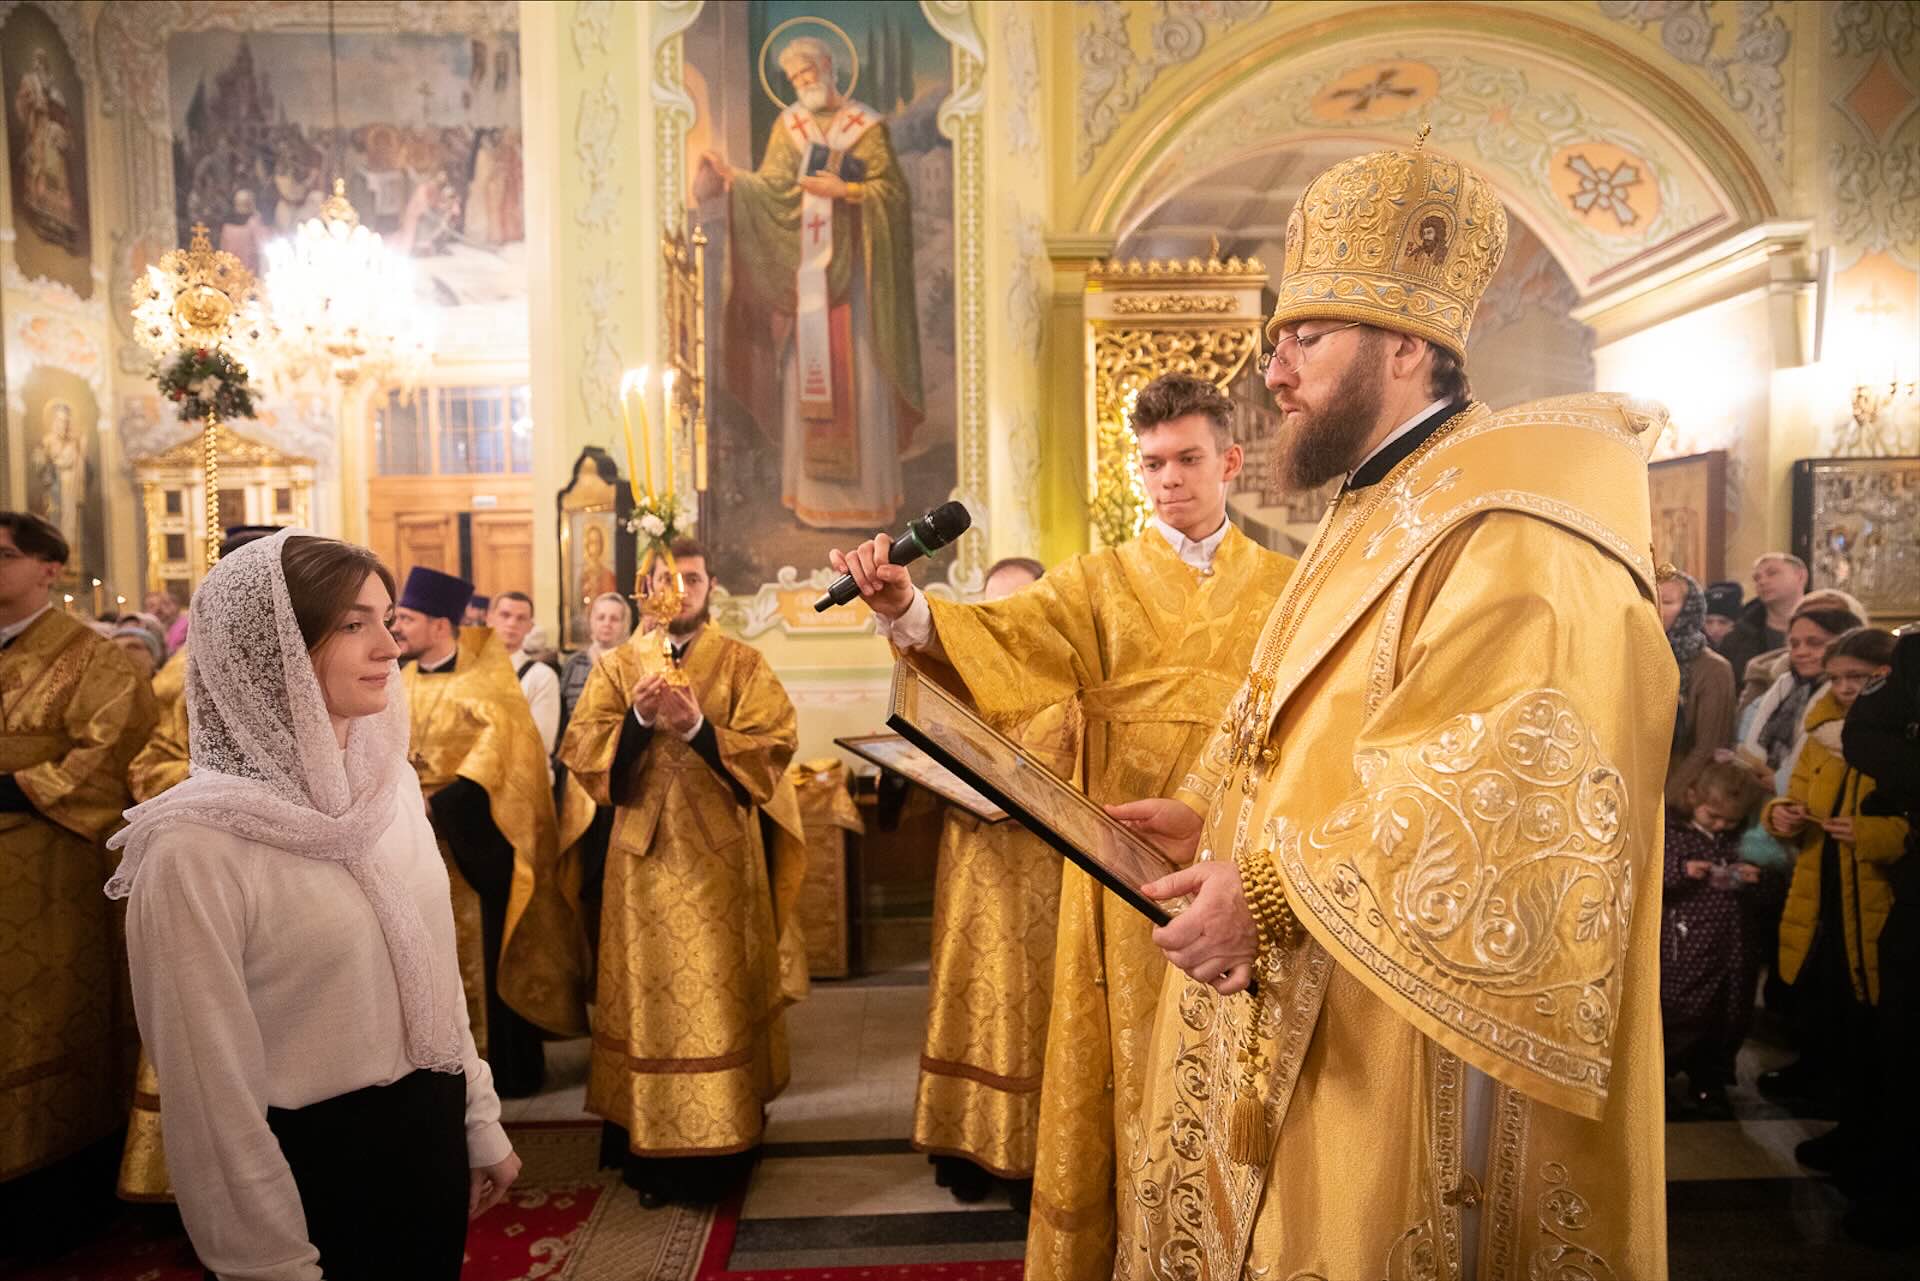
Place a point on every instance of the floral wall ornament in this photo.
(1749, 76)
(1603, 186)
(1114, 77)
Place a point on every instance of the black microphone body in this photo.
(924, 536)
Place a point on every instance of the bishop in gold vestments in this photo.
(1149, 638)
(72, 713)
(700, 950)
(513, 860)
(1442, 785)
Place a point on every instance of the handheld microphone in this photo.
(923, 538)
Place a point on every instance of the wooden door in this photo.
(425, 538)
(503, 552)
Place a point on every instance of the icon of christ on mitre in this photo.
(822, 339)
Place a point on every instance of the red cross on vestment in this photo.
(855, 120)
(799, 129)
(815, 227)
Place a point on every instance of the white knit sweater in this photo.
(261, 978)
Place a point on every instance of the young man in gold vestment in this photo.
(511, 853)
(996, 903)
(700, 948)
(1148, 638)
(1432, 814)
(73, 711)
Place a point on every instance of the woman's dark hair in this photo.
(1869, 645)
(324, 578)
(1835, 622)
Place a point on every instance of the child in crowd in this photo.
(1840, 896)
(1710, 946)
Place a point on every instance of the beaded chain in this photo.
(1248, 751)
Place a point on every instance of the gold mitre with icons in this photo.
(1405, 240)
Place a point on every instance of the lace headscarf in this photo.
(268, 768)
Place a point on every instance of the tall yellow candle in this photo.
(628, 381)
(646, 432)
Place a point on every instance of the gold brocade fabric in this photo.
(996, 901)
(700, 950)
(1151, 649)
(72, 714)
(163, 761)
(1470, 733)
(158, 766)
(474, 723)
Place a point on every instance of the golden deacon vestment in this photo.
(996, 904)
(472, 723)
(700, 951)
(1151, 648)
(73, 712)
(159, 765)
(1469, 733)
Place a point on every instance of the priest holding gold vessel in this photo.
(1148, 638)
(687, 733)
(1422, 822)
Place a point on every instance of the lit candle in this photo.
(99, 600)
(646, 432)
(632, 379)
(671, 411)
(121, 601)
(69, 599)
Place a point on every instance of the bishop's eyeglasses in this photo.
(1302, 344)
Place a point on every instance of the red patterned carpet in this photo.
(530, 1237)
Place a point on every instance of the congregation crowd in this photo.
(1791, 795)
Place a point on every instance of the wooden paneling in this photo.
(503, 551)
(423, 538)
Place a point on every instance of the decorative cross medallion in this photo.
(1403, 515)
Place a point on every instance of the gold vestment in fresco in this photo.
(1469, 732)
(996, 903)
(474, 723)
(1151, 649)
(700, 949)
(73, 712)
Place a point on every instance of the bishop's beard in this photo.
(1318, 444)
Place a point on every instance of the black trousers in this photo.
(515, 1048)
(383, 1178)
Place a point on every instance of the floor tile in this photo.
(853, 1186)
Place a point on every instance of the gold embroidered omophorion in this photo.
(996, 904)
(700, 947)
(1151, 648)
(1456, 776)
(72, 714)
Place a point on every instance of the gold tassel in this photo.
(1247, 1141)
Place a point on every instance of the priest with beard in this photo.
(511, 857)
(700, 947)
(1430, 823)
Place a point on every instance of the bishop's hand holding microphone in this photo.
(876, 569)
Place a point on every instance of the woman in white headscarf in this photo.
(292, 946)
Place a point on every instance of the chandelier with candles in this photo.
(338, 299)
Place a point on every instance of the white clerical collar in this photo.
(1419, 416)
(12, 630)
(1195, 552)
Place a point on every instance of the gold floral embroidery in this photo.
(1561, 1214)
(1493, 856)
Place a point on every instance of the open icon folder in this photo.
(991, 764)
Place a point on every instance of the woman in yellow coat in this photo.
(1840, 897)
